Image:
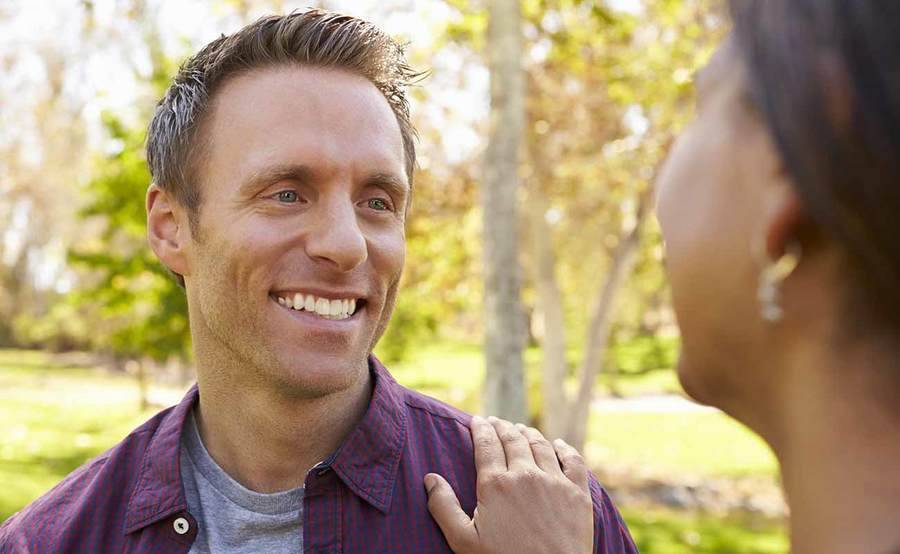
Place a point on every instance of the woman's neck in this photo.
(839, 447)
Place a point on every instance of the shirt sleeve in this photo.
(12, 541)
(611, 535)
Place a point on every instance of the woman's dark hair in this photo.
(825, 75)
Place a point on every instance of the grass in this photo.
(667, 532)
(703, 444)
(54, 418)
(460, 367)
(706, 443)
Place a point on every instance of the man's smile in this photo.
(338, 306)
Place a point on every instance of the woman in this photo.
(780, 207)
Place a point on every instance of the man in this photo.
(282, 160)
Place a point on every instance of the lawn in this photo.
(705, 443)
(54, 418)
(693, 444)
(669, 532)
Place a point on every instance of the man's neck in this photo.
(839, 444)
(268, 441)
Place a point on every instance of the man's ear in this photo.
(168, 231)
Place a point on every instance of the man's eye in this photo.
(287, 196)
(379, 204)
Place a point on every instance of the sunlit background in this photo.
(93, 334)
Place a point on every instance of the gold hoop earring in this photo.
(771, 279)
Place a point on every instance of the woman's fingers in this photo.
(572, 463)
(532, 496)
(501, 445)
(458, 528)
(543, 452)
(490, 460)
(515, 445)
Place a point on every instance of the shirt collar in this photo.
(369, 459)
(159, 492)
(367, 462)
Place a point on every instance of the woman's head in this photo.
(796, 144)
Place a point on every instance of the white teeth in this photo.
(324, 307)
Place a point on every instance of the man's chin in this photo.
(315, 376)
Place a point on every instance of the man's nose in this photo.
(336, 238)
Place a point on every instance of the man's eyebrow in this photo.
(394, 185)
(269, 175)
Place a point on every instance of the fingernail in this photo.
(477, 419)
(493, 419)
(430, 482)
(521, 426)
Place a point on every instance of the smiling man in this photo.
(282, 160)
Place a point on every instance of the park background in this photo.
(93, 333)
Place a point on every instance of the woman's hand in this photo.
(533, 496)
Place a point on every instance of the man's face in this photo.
(300, 245)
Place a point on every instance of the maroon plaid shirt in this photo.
(368, 497)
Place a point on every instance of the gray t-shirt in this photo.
(230, 517)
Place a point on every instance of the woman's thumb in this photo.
(457, 526)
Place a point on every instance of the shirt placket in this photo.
(322, 512)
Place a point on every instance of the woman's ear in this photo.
(167, 230)
(784, 219)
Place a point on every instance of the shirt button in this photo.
(181, 526)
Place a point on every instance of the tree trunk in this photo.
(136, 367)
(623, 262)
(550, 300)
(504, 317)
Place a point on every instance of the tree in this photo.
(42, 158)
(138, 310)
(602, 113)
(605, 92)
(504, 320)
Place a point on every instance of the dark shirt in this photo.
(367, 497)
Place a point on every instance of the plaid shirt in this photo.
(368, 497)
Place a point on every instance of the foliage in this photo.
(440, 281)
(642, 354)
(606, 92)
(667, 532)
(139, 308)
